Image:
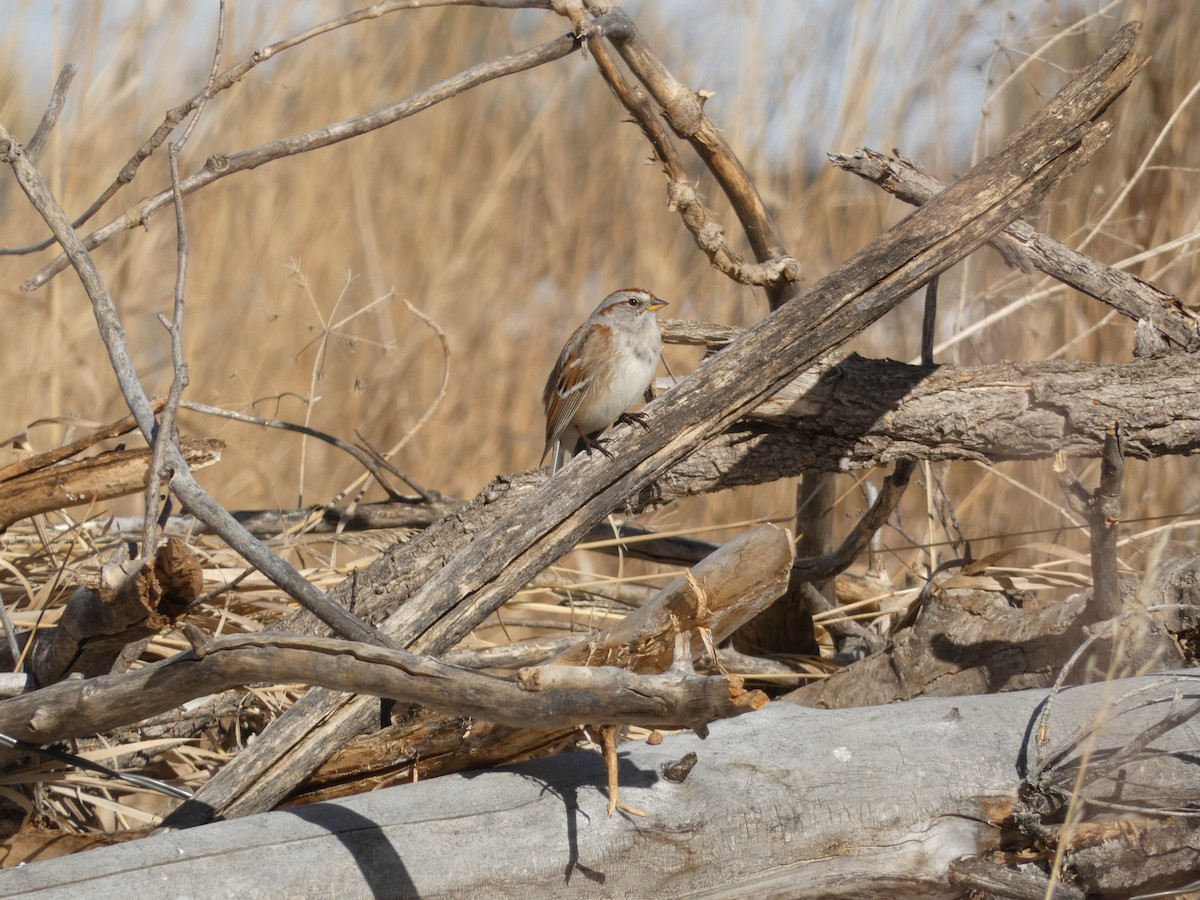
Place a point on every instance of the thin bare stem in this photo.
(220, 166)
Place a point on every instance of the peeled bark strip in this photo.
(859, 803)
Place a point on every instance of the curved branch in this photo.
(555, 696)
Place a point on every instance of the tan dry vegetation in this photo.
(506, 213)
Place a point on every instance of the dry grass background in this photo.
(507, 213)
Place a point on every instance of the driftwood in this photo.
(755, 566)
(967, 636)
(785, 802)
(450, 587)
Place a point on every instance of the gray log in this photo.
(787, 802)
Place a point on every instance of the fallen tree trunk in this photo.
(789, 801)
(857, 413)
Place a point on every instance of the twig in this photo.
(359, 455)
(1102, 509)
(709, 236)
(684, 112)
(1102, 630)
(80, 762)
(221, 166)
(383, 462)
(165, 433)
(176, 115)
(929, 322)
(1127, 294)
(50, 117)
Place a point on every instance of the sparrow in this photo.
(606, 365)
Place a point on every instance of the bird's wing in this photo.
(565, 390)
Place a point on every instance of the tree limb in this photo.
(1127, 294)
(562, 697)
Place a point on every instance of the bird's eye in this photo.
(633, 301)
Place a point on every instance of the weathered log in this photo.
(857, 803)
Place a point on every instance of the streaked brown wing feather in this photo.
(565, 391)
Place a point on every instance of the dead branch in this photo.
(684, 112)
(183, 484)
(734, 584)
(116, 473)
(857, 413)
(1127, 294)
(73, 709)
(1102, 509)
(58, 99)
(222, 166)
(707, 234)
(66, 451)
(729, 587)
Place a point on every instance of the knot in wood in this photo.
(680, 195)
(711, 237)
(11, 150)
(685, 113)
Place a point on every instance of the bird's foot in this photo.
(634, 418)
(593, 441)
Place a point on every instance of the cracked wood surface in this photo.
(856, 803)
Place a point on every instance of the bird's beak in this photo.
(657, 304)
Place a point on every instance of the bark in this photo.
(970, 641)
(116, 473)
(136, 598)
(857, 803)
